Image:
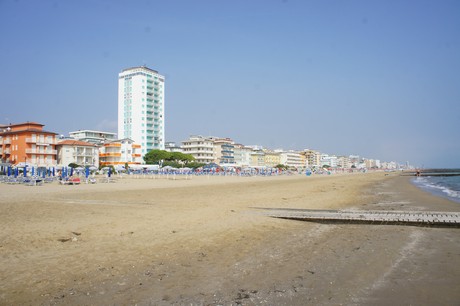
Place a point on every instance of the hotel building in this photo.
(292, 159)
(28, 143)
(93, 136)
(141, 107)
(78, 152)
(242, 155)
(120, 152)
(224, 151)
(202, 148)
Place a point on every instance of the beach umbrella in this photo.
(53, 171)
(16, 172)
(86, 173)
(25, 171)
(9, 171)
(33, 171)
(110, 172)
(71, 171)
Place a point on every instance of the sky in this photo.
(379, 79)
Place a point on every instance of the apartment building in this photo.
(91, 136)
(271, 158)
(343, 162)
(257, 157)
(172, 147)
(141, 102)
(242, 155)
(120, 152)
(223, 151)
(201, 148)
(28, 143)
(312, 158)
(78, 152)
(328, 160)
(292, 159)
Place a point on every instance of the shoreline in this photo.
(198, 241)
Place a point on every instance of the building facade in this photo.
(78, 152)
(271, 158)
(141, 96)
(257, 157)
(96, 137)
(173, 147)
(242, 155)
(201, 148)
(312, 158)
(292, 159)
(28, 143)
(224, 151)
(120, 152)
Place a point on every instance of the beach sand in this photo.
(202, 242)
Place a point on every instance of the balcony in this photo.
(110, 155)
(35, 151)
(41, 142)
(7, 141)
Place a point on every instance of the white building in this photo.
(78, 152)
(242, 155)
(202, 148)
(93, 136)
(291, 159)
(141, 93)
(172, 147)
(328, 160)
(120, 152)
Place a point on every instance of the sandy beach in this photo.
(202, 242)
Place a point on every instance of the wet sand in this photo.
(200, 242)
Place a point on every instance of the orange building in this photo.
(28, 143)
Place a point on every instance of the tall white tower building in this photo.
(141, 107)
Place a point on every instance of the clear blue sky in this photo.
(376, 78)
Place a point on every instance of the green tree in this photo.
(168, 158)
(155, 156)
(181, 157)
(73, 165)
(281, 166)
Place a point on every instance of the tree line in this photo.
(173, 159)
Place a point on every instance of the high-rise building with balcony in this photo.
(141, 93)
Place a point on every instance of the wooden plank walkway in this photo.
(418, 218)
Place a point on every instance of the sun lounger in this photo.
(71, 181)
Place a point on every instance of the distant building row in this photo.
(30, 143)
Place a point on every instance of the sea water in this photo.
(447, 186)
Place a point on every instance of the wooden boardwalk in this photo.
(417, 218)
